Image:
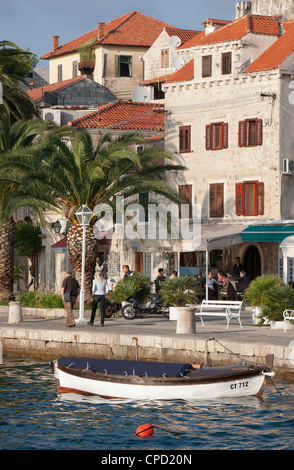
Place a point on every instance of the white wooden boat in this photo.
(158, 381)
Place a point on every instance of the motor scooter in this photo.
(153, 304)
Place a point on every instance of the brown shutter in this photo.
(216, 200)
(242, 134)
(206, 66)
(258, 131)
(240, 199)
(259, 198)
(185, 191)
(225, 129)
(185, 139)
(226, 63)
(208, 137)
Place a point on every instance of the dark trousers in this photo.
(96, 300)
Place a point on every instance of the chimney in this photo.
(55, 42)
(100, 30)
(242, 9)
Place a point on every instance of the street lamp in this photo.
(83, 215)
(56, 226)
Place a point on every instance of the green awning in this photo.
(267, 233)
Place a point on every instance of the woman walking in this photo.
(99, 290)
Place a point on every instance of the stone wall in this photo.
(273, 7)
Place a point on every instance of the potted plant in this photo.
(180, 293)
(257, 291)
(278, 299)
(138, 284)
(86, 64)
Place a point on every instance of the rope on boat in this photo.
(243, 360)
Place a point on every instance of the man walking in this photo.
(70, 290)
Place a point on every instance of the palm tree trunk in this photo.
(7, 233)
(74, 247)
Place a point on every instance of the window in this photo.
(206, 66)
(250, 133)
(216, 136)
(74, 68)
(123, 66)
(226, 63)
(143, 201)
(216, 200)
(164, 58)
(249, 198)
(185, 139)
(185, 191)
(59, 73)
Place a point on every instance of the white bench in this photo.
(231, 309)
(288, 316)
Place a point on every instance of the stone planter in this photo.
(173, 313)
(186, 324)
(256, 315)
(15, 312)
(280, 325)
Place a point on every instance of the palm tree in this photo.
(18, 137)
(62, 176)
(15, 63)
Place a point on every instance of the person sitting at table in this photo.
(220, 277)
(243, 282)
(228, 278)
(212, 287)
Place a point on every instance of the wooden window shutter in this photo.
(206, 66)
(259, 198)
(226, 63)
(117, 71)
(208, 137)
(240, 199)
(185, 139)
(225, 140)
(185, 191)
(216, 200)
(164, 58)
(242, 134)
(258, 131)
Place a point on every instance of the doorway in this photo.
(252, 262)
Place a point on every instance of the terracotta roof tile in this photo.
(275, 55)
(184, 34)
(37, 93)
(185, 74)
(124, 115)
(133, 28)
(236, 30)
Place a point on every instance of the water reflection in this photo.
(34, 416)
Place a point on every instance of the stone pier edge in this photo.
(50, 344)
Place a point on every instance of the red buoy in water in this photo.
(145, 430)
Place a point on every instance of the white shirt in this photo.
(99, 287)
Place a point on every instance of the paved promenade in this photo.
(150, 337)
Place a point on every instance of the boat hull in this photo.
(201, 384)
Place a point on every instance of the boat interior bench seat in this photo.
(221, 308)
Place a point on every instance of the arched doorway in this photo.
(252, 262)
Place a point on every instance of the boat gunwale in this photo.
(189, 379)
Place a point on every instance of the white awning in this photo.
(213, 237)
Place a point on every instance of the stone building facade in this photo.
(230, 125)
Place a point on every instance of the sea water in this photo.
(34, 417)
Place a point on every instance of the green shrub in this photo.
(41, 300)
(257, 290)
(180, 291)
(277, 299)
(127, 288)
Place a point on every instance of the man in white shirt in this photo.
(99, 290)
